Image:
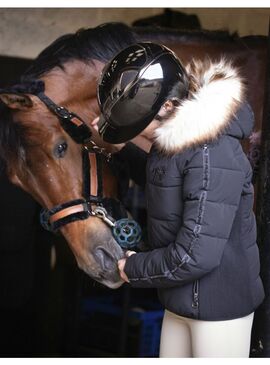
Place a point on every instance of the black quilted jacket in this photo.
(202, 229)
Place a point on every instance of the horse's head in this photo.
(44, 160)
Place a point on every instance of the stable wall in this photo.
(25, 32)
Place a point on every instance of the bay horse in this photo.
(44, 116)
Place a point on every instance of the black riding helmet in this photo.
(134, 86)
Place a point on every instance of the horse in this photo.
(51, 151)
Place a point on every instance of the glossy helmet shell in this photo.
(133, 87)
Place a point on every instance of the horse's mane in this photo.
(101, 43)
(105, 41)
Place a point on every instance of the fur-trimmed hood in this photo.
(216, 92)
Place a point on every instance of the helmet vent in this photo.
(133, 56)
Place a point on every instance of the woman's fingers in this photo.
(129, 253)
(121, 266)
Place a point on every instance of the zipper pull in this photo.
(195, 302)
(205, 146)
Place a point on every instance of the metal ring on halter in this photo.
(127, 232)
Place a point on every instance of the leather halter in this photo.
(92, 191)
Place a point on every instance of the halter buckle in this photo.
(90, 146)
(62, 112)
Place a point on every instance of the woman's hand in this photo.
(121, 266)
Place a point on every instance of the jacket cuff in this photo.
(131, 266)
(131, 270)
(130, 262)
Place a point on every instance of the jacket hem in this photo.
(213, 319)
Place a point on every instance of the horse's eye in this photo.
(60, 150)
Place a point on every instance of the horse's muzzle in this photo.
(106, 257)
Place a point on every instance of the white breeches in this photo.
(185, 337)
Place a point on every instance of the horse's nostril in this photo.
(105, 259)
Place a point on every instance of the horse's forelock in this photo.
(106, 40)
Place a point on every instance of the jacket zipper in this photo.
(195, 301)
(195, 289)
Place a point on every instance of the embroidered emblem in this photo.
(158, 173)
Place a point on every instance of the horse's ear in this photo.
(16, 101)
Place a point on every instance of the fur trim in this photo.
(216, 91)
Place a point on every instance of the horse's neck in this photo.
(73, 83)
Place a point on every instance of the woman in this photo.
(204, 258)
